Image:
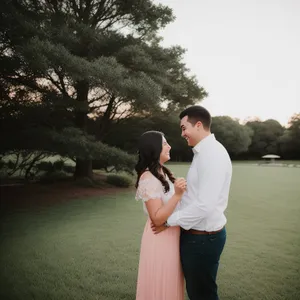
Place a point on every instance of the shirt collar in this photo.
(206, 140)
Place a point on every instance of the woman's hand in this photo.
(180, 186)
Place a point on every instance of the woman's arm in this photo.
(151, 191)
(160, 212)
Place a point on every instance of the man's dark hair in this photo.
(197, 113)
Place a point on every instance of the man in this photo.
(201, 211)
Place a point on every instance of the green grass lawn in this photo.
(89, 248)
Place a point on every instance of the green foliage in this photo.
(114, 159)
(45, 166)
(48, 166)
(63, 61)
(72, 142)
(125, 134)
(69, 142)
(59, 165)
(69, 169)
(119, 180)
(23, 163)
(289, 142)
(53, 177)
(265, 137)
(235, 137)
(71, 49)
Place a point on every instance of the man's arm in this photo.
(212, 174)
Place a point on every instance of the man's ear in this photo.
(199, 124)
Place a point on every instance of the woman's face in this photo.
(165, 152)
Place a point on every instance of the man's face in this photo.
(189, 132)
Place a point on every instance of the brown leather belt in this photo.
(194, 231)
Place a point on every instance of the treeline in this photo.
(249, 141)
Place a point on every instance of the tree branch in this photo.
(112, 22)
(115, 108)
(21, 81)
(93, 108)
(98, 98)
(87, 11)
(101, 12)
(34, 160)
(75, 7)
(120, 116)
(97, 15)
(61, 79)
(15, 165)
(56, 84)
(53, 4)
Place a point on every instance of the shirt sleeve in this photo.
(211, 177)
(149, 188)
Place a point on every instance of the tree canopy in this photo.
(63, 62)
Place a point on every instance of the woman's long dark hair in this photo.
(150, 147)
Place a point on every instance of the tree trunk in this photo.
(83, 167)
(105, 120)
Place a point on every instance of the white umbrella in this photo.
(271, 156)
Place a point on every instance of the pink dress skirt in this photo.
(160, 275)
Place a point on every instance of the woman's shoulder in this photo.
(148, 176)
(148, 179)
(149, 187)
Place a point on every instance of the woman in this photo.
(159, 276)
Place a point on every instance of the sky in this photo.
(245, 53)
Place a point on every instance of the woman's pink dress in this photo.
(160, 275)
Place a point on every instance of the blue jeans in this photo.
(200, 255)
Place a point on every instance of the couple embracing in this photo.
(185, 233)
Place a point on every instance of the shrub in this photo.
(58, 165)
(24, 163)
(73, 143)
(53, 176)
(2, 164)
(48, 166)
(45, 166)
(119, 180)
(69, 169)
(111, 158)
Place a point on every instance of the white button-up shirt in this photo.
(208, 183)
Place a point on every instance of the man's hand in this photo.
(157, 229)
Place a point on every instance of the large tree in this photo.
(90, 58)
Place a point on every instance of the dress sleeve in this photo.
(149, 188)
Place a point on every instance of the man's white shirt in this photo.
(208, 183)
